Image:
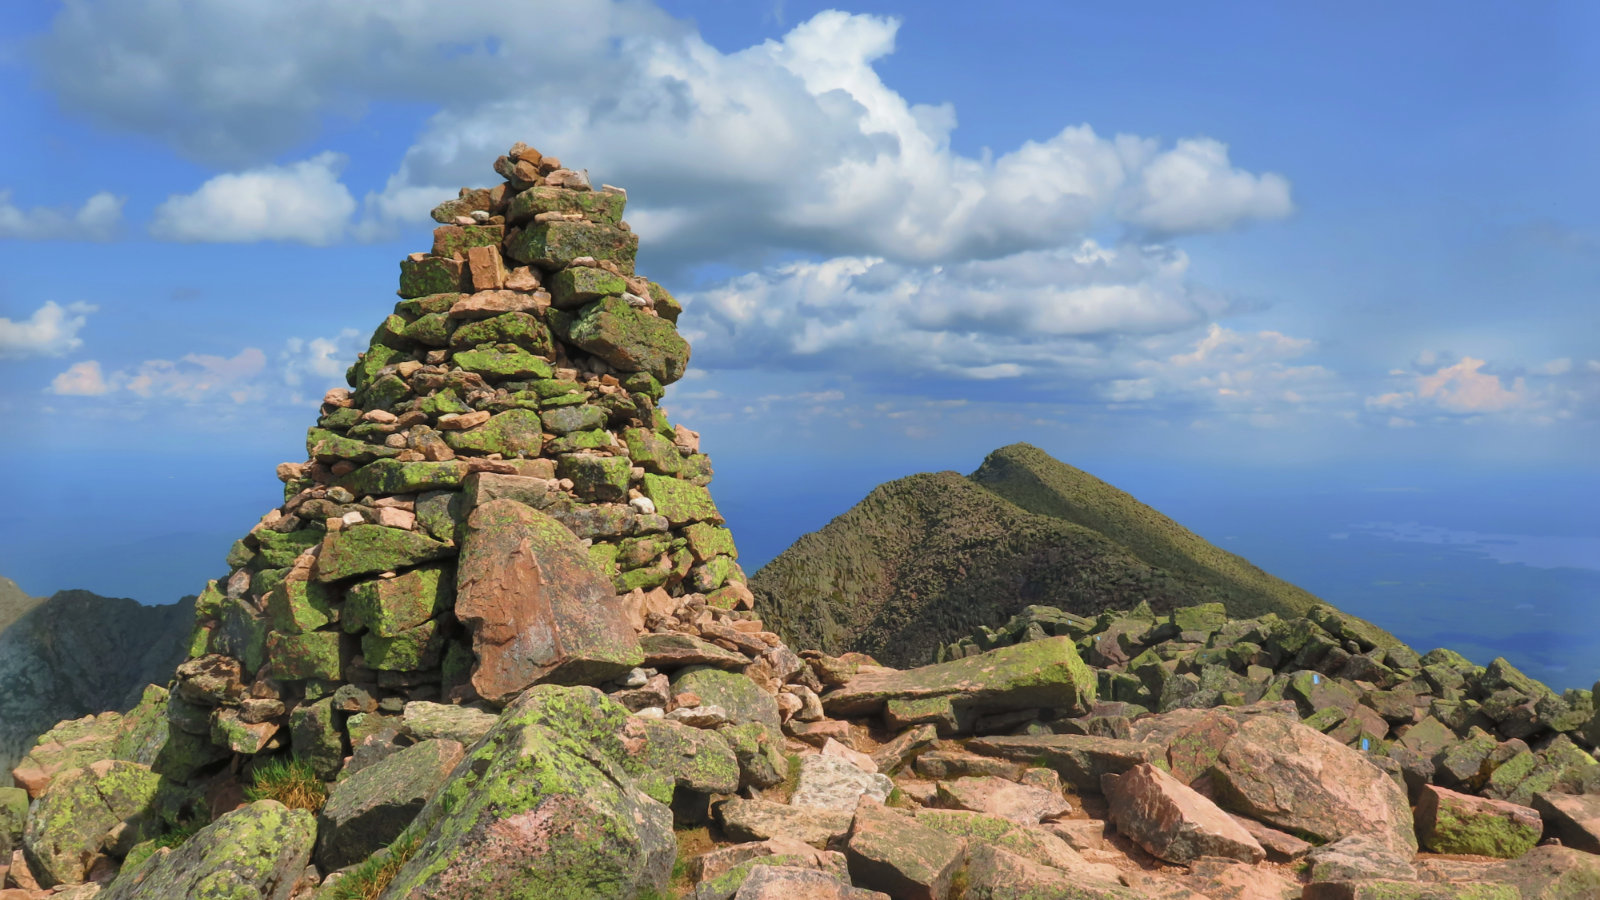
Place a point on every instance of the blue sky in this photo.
(1342, 243)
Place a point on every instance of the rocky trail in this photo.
(499, 625)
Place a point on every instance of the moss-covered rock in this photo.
(513, 433)
(604, 207)
(602, 479)
(628, 339)
(547, 805)
(388, 606)
(66, 827)
(740, 697)
(554, 245)
(576, 286)
(391, 476)
(256, 851)
(680, 501)
(370, 809)
(680, 756)
(429, 275)
(299, 657)
(370, 549)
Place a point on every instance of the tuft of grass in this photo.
(179, 833)
(369, 879)
(290, 782)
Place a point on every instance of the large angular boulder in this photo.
(1037, 674)
(256, 852)
(794, 883)
(739, 697)
(997, 874)
(1172, 820)
(547, 805)
(67, 827)
(1294, 778)
(368, 810)
(537, 607)
(682, 756)
(891, 852)
(1549, 872)
(1575, 819)
(1448, 822)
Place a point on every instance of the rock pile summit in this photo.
(496, 643)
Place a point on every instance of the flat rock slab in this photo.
(999, 797)
(997, 874)
(1573, 818)
(1551, 873)
(891, 852)
(1218, 879)
(1033, 675)
(425, 720)
(834, 782)
(368, 810)
(1448, 822)
(1297, 779)
(1172, 820)
(790, 883)
(260, 850)
(676, 651)
(1377, 889)
(1080, 759)
(759, 820)
(539, 610)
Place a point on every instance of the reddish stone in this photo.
(538, 608)
(1572, 818)
(485, 268)
(1171, 819)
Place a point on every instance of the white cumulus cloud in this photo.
(303, 202)
(96, 220)
(51, 331)
(81, 379)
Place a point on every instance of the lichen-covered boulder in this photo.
(256, 852)
(740, 697)
(537, 606)
(369, 809)
(1037, 674)
(1448, 822)
(13, 817)
(1080, 759)
(67, 828)
(631, 340)
(681, 756)
(548, 805)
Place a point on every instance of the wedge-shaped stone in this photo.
(1172, 820)
(1037, 674)
(1575, 819)
(891, 852)
(671, 650)
(628, 339)
(1448, 822)
(369, 809)
(546, 805)
(370, 549)
(1080, 759)
(537, 607)
(1289, 776)
(260, 850)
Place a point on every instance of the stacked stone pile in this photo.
(499, 619)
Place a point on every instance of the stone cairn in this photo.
(515, 386)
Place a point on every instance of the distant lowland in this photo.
(925, 559)
(75, 654)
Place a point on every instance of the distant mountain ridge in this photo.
(924, 559)
(78, 653)
(14, 602)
